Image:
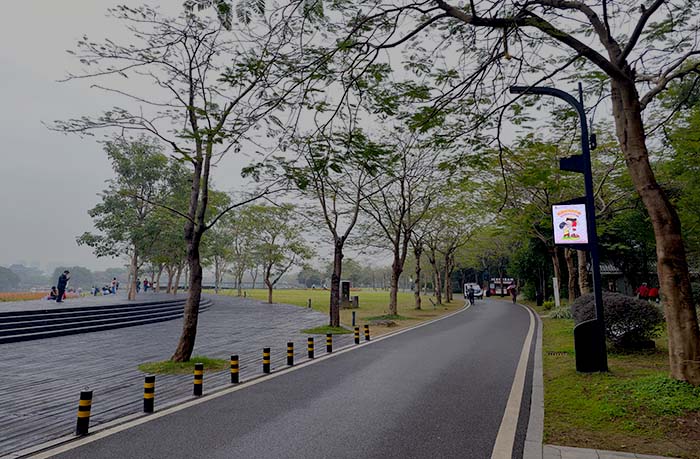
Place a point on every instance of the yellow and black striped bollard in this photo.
(84, 406)
(266, 360)
(149, 393)
(234, 369)
(310, 346)
(357, 335)
(366, 332)
(198, 378)
(290, 353)
(329, 342)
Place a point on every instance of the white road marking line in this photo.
(71, 442)
(503, 448)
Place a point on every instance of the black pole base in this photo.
(589, 343)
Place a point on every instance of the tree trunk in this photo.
(169, 270)
(572, 275)
(160, 271)
(254, 275)
(177, 279)
(268, 283)
(239, 283)
(417, 252)
(222, 273)
(437, 288)
(189, 324)
(217, 269)
(396, 269)
(334, 312)
(584, 284)
(133, 272)
(672, 266)
(447, 281)
(554, 253)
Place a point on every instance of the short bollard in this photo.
(309, 304)
(266, 360)
(366, 332)
(198, 378)
(290, 353)
(357, 335)
(353, 318)
(84, 407)
(329, 342)
(310, 346)
(234, 369)
(149, 393)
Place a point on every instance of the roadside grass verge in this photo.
(374, 304)
(325, 329)
(635, 407)
(168, 367)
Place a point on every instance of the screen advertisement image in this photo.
(570, 226)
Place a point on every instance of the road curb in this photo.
(533, 448)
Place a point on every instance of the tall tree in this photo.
(212, 91)
(332, 172)
(401, 202)
(122, 217)
(279, 243)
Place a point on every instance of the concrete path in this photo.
(566, 452)
(41, 380)
(439, 390)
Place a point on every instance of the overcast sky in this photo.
(49, 180)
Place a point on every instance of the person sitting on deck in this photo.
(53, 295)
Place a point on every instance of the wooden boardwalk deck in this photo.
(42, 379)
(85, 301)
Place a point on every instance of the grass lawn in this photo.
(374, 305)
(169, 367)
(635, 407)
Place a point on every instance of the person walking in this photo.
(513, 290)
(61, 286)
(114, 286)
(470, 295)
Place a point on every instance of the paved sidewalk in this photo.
(42, 379)
(566, 452)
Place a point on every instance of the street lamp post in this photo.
(589, 336)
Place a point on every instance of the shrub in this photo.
(547, 305)
(630, 323)
(562, 312)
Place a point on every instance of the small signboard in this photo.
(570, 226)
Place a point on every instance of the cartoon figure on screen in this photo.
(569, 227)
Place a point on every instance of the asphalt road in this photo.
(437, 391)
